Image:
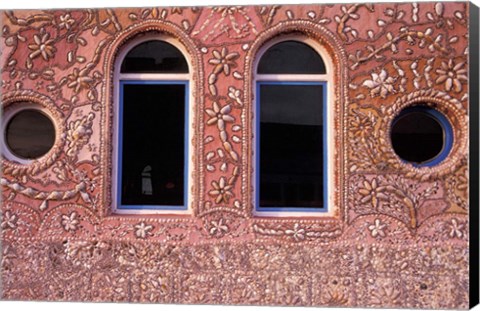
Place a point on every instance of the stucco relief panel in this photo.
(387, 57)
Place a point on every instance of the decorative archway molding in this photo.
(193, 56)
(329, 48)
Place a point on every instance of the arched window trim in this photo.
(158, 78)
(327, 80)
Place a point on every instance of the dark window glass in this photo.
(417, 135)
(291, 57)
(30, 134)
(291, 145)
(153, 154)
(154, 57)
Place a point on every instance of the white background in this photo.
(47, 4)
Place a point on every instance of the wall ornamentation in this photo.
(396, 233)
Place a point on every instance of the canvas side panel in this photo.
(399, 234)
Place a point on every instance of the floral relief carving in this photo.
(223, 114)
(389, 220)
(19, 219)
(78, 134)
(430, 38)
(392, 195)
(456, 229)
(223, 62)
(70, 222)
(142, 230)
(372, 193)
(66, 21)
(452, 75)
(221, 191)
(219, 116)
(380, 84)
(79, 79)
(9, 221)
(377, 228)
(349, 13)
(42, 46)
(218, 228)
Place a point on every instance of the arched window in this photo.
(152, 153)
(292, 93)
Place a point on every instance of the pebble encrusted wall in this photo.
(398, 238)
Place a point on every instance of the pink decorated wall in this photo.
(397, 235)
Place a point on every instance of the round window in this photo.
(29, 134)
(421, 136)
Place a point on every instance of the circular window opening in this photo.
(421, 136)
(29, 134)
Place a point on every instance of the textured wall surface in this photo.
(399, 236)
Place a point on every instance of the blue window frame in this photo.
(291, 120)
(290, 88)
(147, 187)
(151, 153)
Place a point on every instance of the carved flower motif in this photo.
(452, 75)
(218, 227)
(297, 233)
(377, 228)
(143, 230)
(223, 61)
(372, 192)
(79, 80)
(43, 46)
(362, 125)
(66, 21)
(70, 223)
(221, 190)
(9, 221)
(219, 115)
(381, 84)
(455, 229)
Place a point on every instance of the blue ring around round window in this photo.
(410, 139)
